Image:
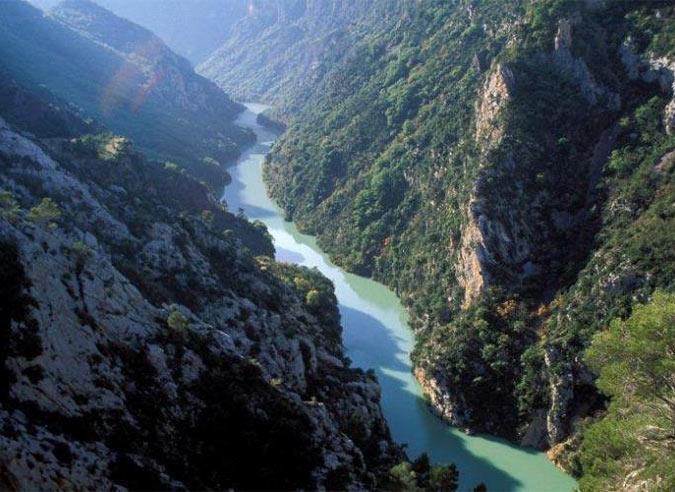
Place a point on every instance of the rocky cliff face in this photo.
(503, 235)
(143, 346)
(442, 402)
(652, 68)
(576, 68)
(495, 95)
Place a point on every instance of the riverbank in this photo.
(376, 335)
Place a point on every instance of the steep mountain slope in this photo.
(142, 344)
(194, 29)
(507, 168)
(280, 52)
(124, 76)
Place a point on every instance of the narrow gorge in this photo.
(407, 245)
(376, 336)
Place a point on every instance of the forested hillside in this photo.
(124, 76)
(506, 167)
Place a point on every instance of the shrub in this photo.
(45, 213)
(313, 298)
(262, 229)
(636, 368)
(207, 217)
(402, 477)
(9, 208)
(82, 253)
(177, 321)
(444, 477)
(421, 475)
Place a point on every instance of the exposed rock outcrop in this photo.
(652, 69)
(175, 362)
(577, 69)
(473, 256)
(442, 402)
(561, 389)
(495, 95)
(536, 433)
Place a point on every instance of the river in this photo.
(376, 335)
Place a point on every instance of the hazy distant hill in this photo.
(193, 29)
(123, 75)
(282, 49)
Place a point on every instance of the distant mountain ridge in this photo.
(140, 46)
(193, 28)
(280, 52)
(126, 77)
(102, 26)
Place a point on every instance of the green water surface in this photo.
(376, 335)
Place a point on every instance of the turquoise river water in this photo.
(376, 335)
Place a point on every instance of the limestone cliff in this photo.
(495, 95)
(143, 346)
(652, 69)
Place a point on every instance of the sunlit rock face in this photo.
(495, 95)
